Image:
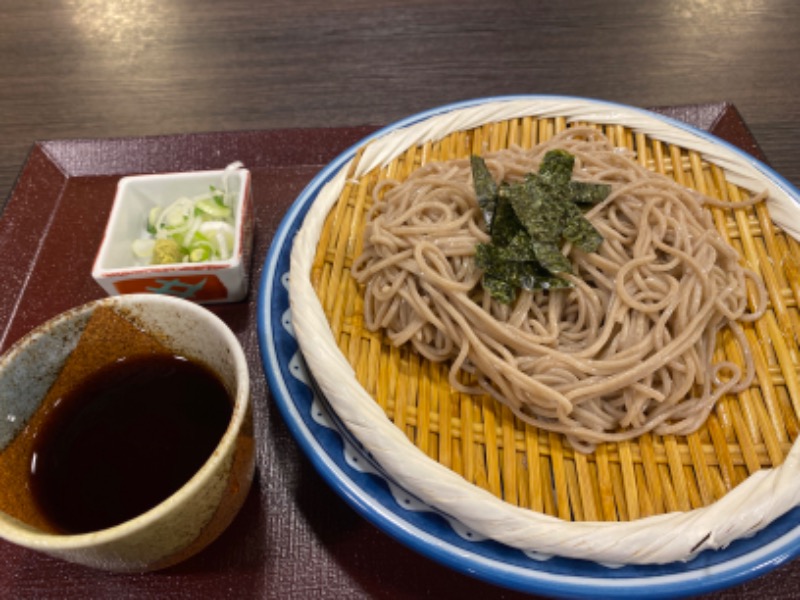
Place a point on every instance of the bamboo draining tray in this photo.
(482, 441)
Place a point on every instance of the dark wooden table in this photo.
(90, 69)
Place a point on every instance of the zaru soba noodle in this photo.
(625, 346)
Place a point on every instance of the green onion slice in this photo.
(197, 229)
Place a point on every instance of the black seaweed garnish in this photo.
(485, 188)
(528, 222)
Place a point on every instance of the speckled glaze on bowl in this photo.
(197, 513)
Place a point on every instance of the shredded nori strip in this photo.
(529, 220)
(519, 249)
(485, 188)
(579, 230)
(556, 168)
(588, 194)
(502, 278)
(505, 224)
(550, 257)
(502, 288)
(540, 212)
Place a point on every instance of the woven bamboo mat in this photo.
(481, 440)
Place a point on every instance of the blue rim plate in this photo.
(350, 471)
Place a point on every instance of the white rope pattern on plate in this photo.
(751, 506)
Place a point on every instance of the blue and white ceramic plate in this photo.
(351, 471)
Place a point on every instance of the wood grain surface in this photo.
(100, 68)
(87, 69)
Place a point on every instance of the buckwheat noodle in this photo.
(629, 349)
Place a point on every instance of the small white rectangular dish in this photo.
(122, 267)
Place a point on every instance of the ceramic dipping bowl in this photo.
(186, 521)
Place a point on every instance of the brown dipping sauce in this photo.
(124, 439)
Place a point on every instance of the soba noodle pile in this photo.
(628, 349)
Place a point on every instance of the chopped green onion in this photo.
(195, 229)
(221, 237)
(218, 196)
(143, 247)
(209, 210)
(200, 253)
(152, 219)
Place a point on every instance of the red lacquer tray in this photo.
(294, 537)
